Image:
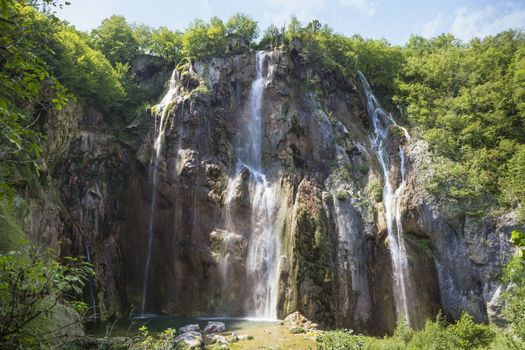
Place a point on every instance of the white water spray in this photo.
(161, 111)
(264, 246)
(382, 121)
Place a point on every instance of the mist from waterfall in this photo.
(264, 246)
(161, 111)
(381, 122)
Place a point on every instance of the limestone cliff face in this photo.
(334, 262)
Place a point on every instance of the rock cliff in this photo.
(319, 186)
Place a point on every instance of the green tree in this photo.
(166, 44)
(87, 72)
(203, 39)
(114, 38)
(25, 35)
(243, 28)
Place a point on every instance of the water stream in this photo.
(264, 248)
(91, 282)
(161, 110)
(382, 122)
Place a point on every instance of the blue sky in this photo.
(391, 20)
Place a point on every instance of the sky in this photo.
(393, 20)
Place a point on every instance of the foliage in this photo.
(161, 341)
(167, 44)
(466, 100)
(204, 39)
(86, 71)
(114, 38)
(24, 40)
(467, 334)
(515, 295)
(403, 330)
(242, 28)
(376, 190)
(32, 287)
(339, 340)
(272, 37)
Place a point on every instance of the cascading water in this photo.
(351, 245)
(382, 121)
(264, 247)
(91, 283)
(161, 111)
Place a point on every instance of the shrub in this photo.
(470, 335)
(339, 340)
(33, 288)
(161, 341)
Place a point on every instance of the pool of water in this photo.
(157, 323)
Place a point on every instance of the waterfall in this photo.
(161, 111)
(382, 121)
(90, 281)
(351, 245)
(264, 246)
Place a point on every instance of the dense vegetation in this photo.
(466, 99)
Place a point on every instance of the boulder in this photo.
(190, 328)
(191, 339)
(219, 339)
(234, 337)
(214, 327)
(296, 321)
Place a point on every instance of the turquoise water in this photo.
(157, 323)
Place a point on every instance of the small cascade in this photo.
(264, 247)
(161, 111)
(382, 121)
(351, 252)
(91, 282)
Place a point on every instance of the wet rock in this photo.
(190, 328)
(219, 339)
(234, 338)
(214, 327)
(191, 339)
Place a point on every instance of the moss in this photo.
(297, 330)
(376, 190)
(342, 195)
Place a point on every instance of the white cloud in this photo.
(365, 6)
(432, 27)
(486, 21)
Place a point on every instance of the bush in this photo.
(470, 335)
(33, 288)
(339, 340)
(161, 341)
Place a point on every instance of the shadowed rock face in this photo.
(334, 264)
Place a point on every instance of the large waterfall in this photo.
(264, 246)
(382, 122)
(161, 110)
